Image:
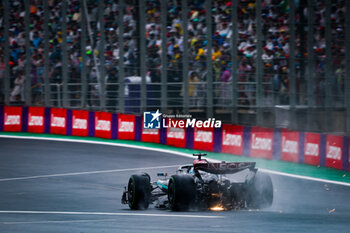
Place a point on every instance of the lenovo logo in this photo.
(35, 120)
(103, 125)
(150, 131)
(232, 140)
(261, 143)
(58, 121)
(80, 123)
(334, 152)
(203, 136)
(289, 146)
(12, 120)
(126, 126)
(176, 133)
(311, 149)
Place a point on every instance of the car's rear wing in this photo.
(223, 167)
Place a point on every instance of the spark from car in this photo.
(217, 208)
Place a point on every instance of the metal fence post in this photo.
(208, 22)
(121, 74)
(347, 62)
(292, 77)
(164, 60)
(310, 65)
(83, 74)
(65, 63)
(7, 54)
(46, 55)
(143, 55)
(184, 56)
(234, 116)
(28, 82)
(259, 69)
(101, 53)
(328, 66)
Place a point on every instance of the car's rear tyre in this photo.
(139, 191)
(181, 192)
(260, 192)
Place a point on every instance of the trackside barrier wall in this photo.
(277, 144)
(150, 135)
(80, 122)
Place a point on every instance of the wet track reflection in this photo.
(76, 187)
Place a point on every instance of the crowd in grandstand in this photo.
(276, 40)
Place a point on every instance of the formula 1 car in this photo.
(202, 185)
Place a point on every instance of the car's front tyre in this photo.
(139, 192)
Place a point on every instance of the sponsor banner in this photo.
(47, 119)
(36, 119)
(126, 126)
(150, 135)
(232, 139)
(247, 132)
(138, 128)
(103, 125)
(114, 133)
(290, 146)
(334, 151)
(176, 136)
(312, 148)
(203, 139)
(91, 124)
(69, 122)
(58, 121)
(12, 119)
(349, 154)
(217, 139)
(80, 123)
(24, 119)
(261, 143)
(1, 118)
(162, 136)
(346, 152)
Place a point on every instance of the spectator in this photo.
(18, 90)
(275, 40)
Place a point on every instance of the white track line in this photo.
(109, 214)
(85, 173)
(170, 152)
(61, 221)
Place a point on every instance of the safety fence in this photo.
(278, 64)
(275, 144)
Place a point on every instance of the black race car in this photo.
(202, 185)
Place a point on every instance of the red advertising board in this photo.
(12, 119)
(36, 119)
(334, 151)
(312, 148)
(58, 123)
(176, 136)
(232, 139)
(261, 143)
(203, 139)
(103, 125)
(80, 123)
(126, 126)
(150, 135)
(290, 146)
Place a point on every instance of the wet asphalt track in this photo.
(75, 199)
